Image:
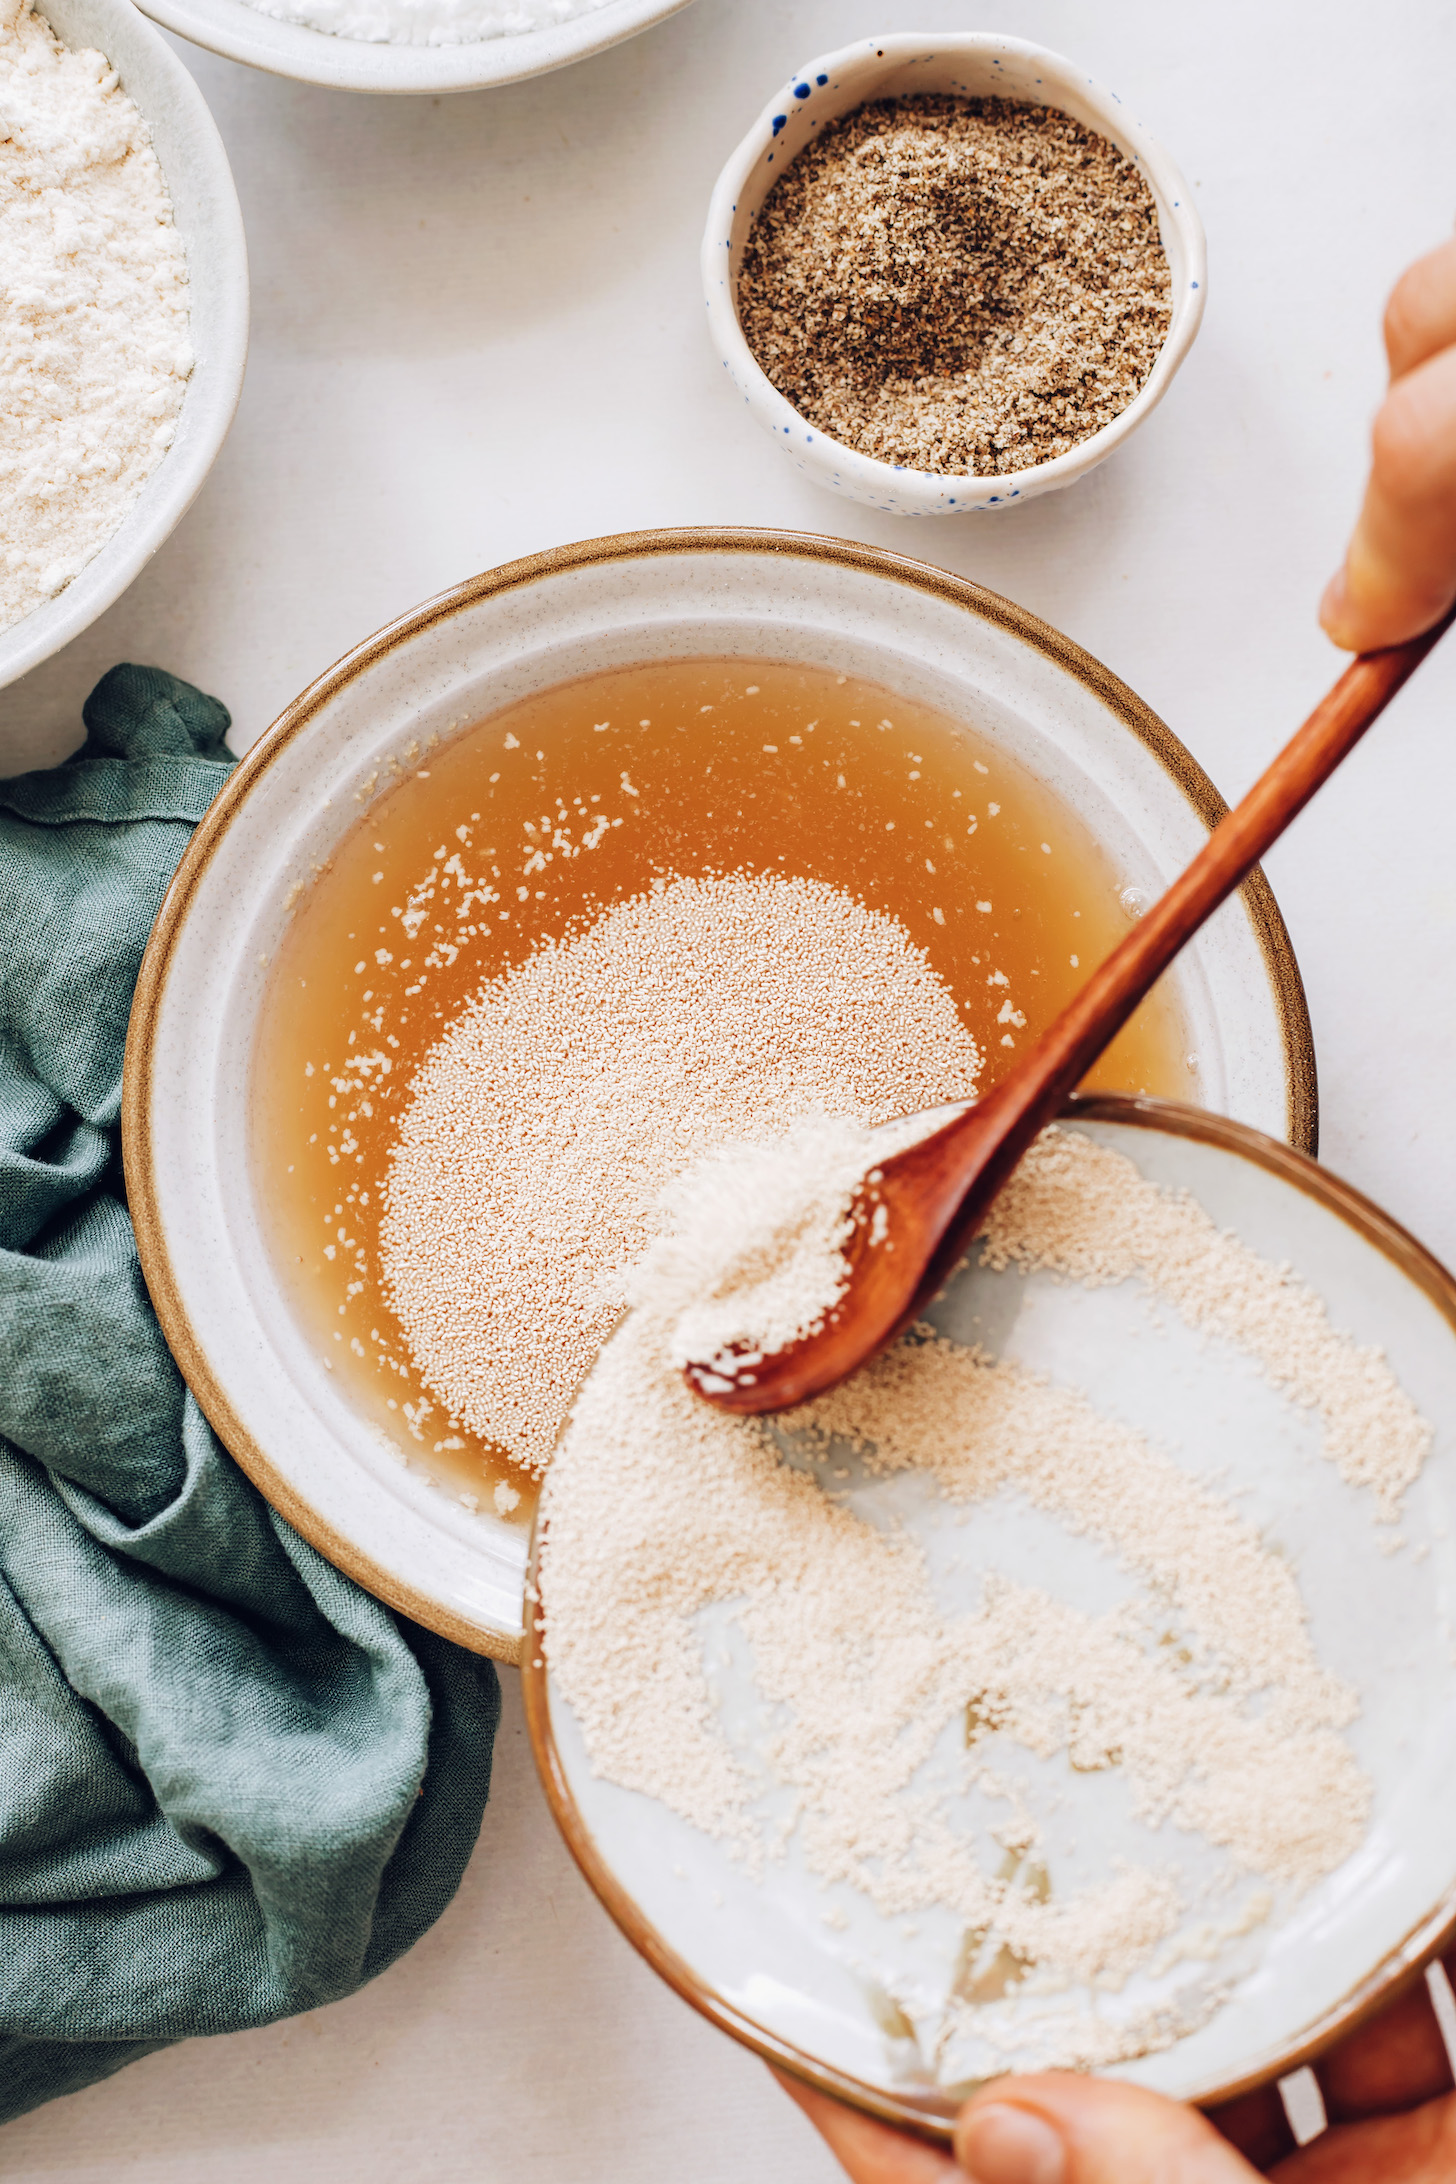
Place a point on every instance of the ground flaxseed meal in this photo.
(1202, 1691)
(961, 286)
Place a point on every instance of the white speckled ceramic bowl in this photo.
(856, 2002)
(971, 64)
(205, 205)
(243, 33)
(606, 603)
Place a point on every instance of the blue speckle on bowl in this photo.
(780, 121)
(821, 81)
(801, 90)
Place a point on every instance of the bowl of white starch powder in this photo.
(409, 45)
(124, 321)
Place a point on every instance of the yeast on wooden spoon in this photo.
(915, 1213)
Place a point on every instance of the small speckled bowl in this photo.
(972, 65)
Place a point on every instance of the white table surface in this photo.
(477, 332)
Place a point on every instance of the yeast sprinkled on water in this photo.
(473, 854)
(568, 1092)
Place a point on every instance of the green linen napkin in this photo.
(232, 1786)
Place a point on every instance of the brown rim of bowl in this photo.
(1262, 910)
(931, 2118)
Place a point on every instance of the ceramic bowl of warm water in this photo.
(816, 1979)
(243, 33)
(205, 206)
(968, 64)
(196, 1194)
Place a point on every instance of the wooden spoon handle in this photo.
(991, 1137)
(1232, 850)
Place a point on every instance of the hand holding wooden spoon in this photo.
(916, 1214)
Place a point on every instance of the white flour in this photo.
(94, 351)
(429, 22)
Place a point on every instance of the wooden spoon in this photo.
(917, 1213)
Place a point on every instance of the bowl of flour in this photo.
(409, 45)
(124, 320)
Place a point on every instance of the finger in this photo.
(1400, 571)
(1059, 2129)
(1419, 2148)
(870, 2152)
(1395, 2062)
(1257, 2124)
(1420, 318)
